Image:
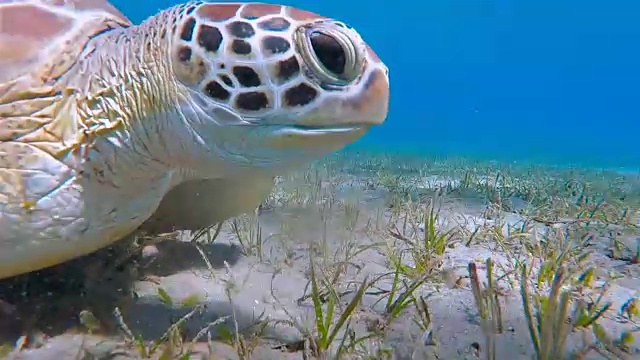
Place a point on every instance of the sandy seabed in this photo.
(361, 257)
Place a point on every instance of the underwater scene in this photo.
(370, 180)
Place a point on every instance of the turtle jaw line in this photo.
(324, 130)
(303, 128)
(297, 135)
(319, 128)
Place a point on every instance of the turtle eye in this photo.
(330, 53)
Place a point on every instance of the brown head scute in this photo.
(241, 47)
(241, 29)
(226, 80)
(190, 66)
(287, 69)
(252, 101)
(246, 76)
(218, 12)
(184, 53)
(299, 95)
(302, 15)
(254, 11)
(274, 24)
(217, 91)
(272, 45)
(187, 29)
(209, 37)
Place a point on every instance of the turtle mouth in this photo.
(311, 129)
(313, 136)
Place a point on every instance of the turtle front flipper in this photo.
(197, 204)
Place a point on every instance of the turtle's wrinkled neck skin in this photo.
(128, 95)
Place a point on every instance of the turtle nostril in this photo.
(329, 52)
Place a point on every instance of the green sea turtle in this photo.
(184, 120)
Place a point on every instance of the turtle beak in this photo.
(373, 103)
(366, 107)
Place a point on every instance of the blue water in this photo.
(552, 81)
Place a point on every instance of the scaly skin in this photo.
(198, 92)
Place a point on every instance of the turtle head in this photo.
(272, 85)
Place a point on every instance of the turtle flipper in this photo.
(196, 204)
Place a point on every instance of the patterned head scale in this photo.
(264, 63)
